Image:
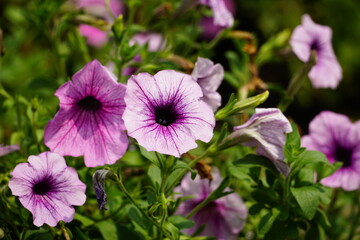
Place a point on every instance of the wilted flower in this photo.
(266, 130)
(309, 37)
(164, 114)
(210, 29)
(48, 188)
(4, 150)
(89, 121)
(334, 135)
(97, 8)
(99, 178)
(155, 42)
(223, 218)
(209, 76)
(222, 16)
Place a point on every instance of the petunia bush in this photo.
(128, 119)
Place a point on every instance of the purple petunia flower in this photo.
(164, 114)
(97, 8)
(89, 121)
(334, 135)
(155, 42)
(210, 29)
(222, 16)
(266, 130)
(209, 76)
(48, 188)
(223, 218)
(309, 37)
(4, 150)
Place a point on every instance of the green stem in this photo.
(18, 114)
(183, 172)
(297, 81)
(198, 207)
(355, 225)
(127, 194)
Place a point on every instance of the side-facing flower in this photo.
(164, 114)
(97, 8)
(309, 37)
(89, 121)
(223, 218)
(222, 16)
(339, 139)
(210, 28)
(4, 150)
(48, 188)
(266, 130)
(209, 76)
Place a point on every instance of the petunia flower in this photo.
(222, 16)
(223, 218)
(210, 29)
(97, 8)
(164, 114)
(266, 130)
(4, 150)
(339, 139)
(209, 76)
(48, 188)
(89, 121)
(309, 37)
(155, 42)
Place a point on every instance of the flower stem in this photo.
(297, 81)
(355, 224)
(198, 207)
(127, 194)
(183, 172)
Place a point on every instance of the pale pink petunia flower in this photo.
(209, 76)
(221, 14)
(89, 121)
(339, 139)
(164, 114)
(223, 218)
(266, 130)
(48, 188)
(309, 36)
(4, 150)
(97, 8)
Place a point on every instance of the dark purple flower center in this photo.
(343, 155)
(165, 115)
(89, 103)
(315, 45)
(42, 187)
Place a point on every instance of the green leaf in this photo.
(180, 222)
(308, 198)
(265, 224)
(40, 234)
(252, 160)
(84, 220)
(170, 228)
(322, 219)
(154, 174)
(136, 216)
(107, 229)
(316, 161)
(292, 147)
(152, 156)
